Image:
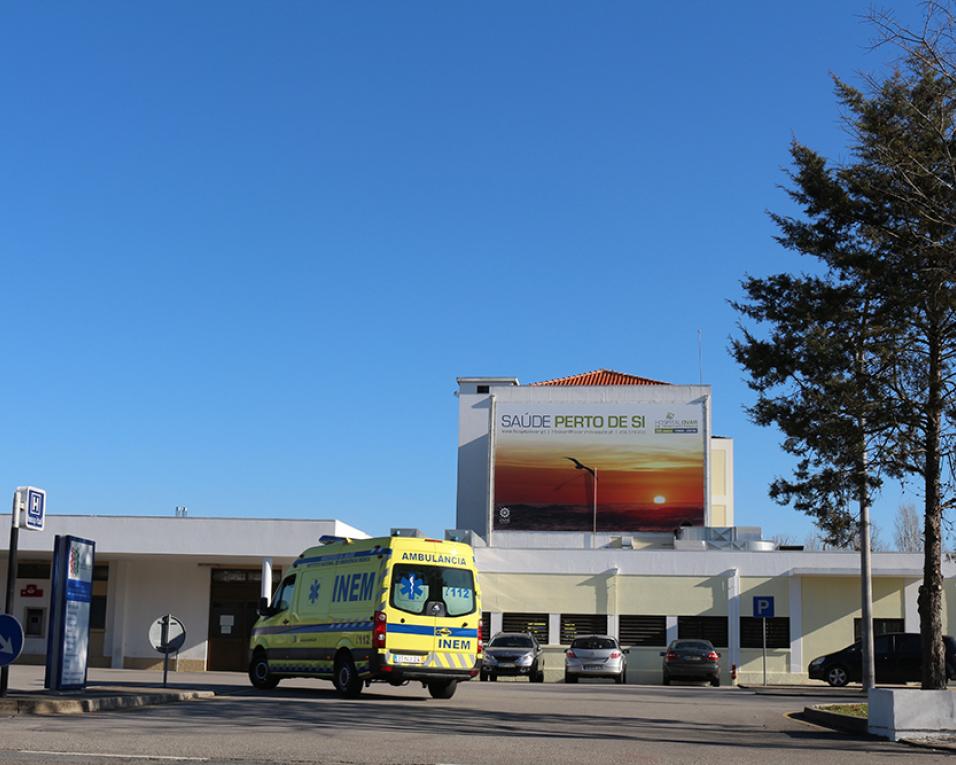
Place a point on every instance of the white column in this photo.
(554, 629)
(495, 624)
(795, 609)
(733, 616)
(670, 623)
(265, 590)
(120, 571)
(613, 625)
(910, 606)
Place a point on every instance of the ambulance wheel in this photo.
(442, 689)
(259, 673)
(346, 679)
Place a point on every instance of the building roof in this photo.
(602, 377)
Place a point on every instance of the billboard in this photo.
(614, 465)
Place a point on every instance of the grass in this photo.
(850, 710)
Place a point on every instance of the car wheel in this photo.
(536, 675)
(837, 676)
(442, 689)
(666, 680)
(621, 678)
(569, 678)
(259, 674)
(715, 681)
(345, 678)
(493, 677)
(482, 675)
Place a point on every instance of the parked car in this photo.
(897, 658)
(512, 653)
(691, 660)
(595, 656)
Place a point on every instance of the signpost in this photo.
(167, 635)
(69, 633)
(763, 610)
(11, 639)
(31, 502)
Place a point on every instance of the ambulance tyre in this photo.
(442, 689)
(259, 673)
(346, 678)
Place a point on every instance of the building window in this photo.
(33, 622)
(483, 388)
(101, 573)
(642, 630)
(536, 624)
(98, 612)
(751, 632)
(33, 569)
(880, 627)
(575, 625)
(485, 631)
(712, 628)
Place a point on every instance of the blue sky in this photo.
(247, 248)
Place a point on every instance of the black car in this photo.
(897, 658)
(513, 653)
(691, 660)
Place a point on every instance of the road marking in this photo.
(117, 756)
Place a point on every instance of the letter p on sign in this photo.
(763, 606)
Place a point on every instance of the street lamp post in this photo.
(593, 471)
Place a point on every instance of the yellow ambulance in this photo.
(391, 609)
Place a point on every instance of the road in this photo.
(484, 724)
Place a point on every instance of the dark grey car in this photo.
(691, 660)
(513, 653)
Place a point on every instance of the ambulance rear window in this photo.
(413, 587)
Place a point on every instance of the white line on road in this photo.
(117, 756)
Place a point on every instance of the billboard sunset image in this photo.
(643, 466)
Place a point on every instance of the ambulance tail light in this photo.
(481, 645)
(379, 629)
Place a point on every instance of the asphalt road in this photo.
(485, 723)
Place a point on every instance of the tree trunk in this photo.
(931, 592)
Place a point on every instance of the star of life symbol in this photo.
(411, 587)
(314, 592)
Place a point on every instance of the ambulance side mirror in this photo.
(264, 608)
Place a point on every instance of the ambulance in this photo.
(392, 609)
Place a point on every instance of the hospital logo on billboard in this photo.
(671, 423)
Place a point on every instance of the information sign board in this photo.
(69, 633)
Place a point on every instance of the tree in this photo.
(907, 535)
(883, 228)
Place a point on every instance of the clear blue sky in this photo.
(247, 247)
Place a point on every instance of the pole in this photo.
(763, 623)
(866, 581)
(164, 640)
(594, 502)
(11, 579)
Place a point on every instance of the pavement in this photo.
(110, 689)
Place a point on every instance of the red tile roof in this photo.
(602, 377)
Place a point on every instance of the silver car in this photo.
(515, 654)
(595, 656)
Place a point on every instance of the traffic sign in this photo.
(35, 508)
(175, 636)
(763, 606)
(11, 639)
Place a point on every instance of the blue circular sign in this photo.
(11, 639)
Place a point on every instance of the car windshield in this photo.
(511, 641)
(693, 645)
(413, 587)
(593, 643)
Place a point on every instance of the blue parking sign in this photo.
(763, 606)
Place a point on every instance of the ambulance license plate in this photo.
(406, 659)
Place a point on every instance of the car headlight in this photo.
(818, 662)
(525, 661)
(489, 659)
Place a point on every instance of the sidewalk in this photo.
(854, 692)
(113, 689)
